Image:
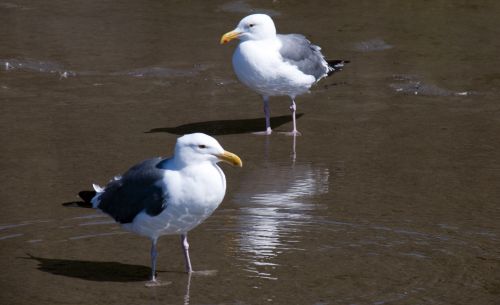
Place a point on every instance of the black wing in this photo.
(137, 190)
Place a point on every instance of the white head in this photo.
(199, 147)
(252, 27)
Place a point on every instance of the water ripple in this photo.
(274, 207)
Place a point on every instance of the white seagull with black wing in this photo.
(163, 196)
(274, 64)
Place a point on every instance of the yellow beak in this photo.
(230, 158)
(229, 36)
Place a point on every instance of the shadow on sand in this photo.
(226, 127)
(93, 271)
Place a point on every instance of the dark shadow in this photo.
(77, 204)
(95, 271)
(227, 127)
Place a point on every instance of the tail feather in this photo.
(90, 199)
(336, 65)
(87, 196)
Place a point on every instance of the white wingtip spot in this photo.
(97, 188)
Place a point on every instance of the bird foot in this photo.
(291, 133)
(263, 133)
(204, 273)
(157, 283)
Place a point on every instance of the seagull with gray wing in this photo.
(274, 64)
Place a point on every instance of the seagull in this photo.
(168, 196)
(275, 64)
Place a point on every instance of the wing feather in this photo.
(139, 189)
(297, 50)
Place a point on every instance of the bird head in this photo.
(199, 147)
(252, 27)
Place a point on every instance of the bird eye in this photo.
(202, 146)
(251, 25)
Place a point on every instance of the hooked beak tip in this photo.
(230, 158)
(229, 36)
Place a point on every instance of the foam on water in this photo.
(406, 84)
(51, 67)
(372, 45)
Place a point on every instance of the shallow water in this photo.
(391, 196)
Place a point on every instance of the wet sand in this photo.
(391, 197)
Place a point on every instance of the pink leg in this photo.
(154, 254)
(185, 249)
(293, 109)
(267, 113)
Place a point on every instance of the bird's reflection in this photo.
(275, 206)
(293, 151)
(188, 287)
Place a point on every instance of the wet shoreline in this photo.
(390, 196)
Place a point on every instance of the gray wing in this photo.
(136, 191)
(300, 52)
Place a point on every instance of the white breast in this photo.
(193, 195)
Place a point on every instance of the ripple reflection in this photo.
(276, 207)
